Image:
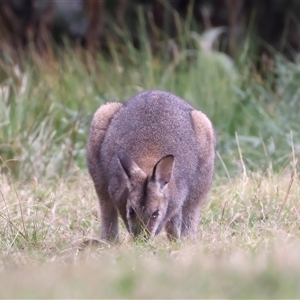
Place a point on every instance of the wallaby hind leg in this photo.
(109, 219)
(109, 214)
(173, 227)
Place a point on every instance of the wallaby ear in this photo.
(162, 171)
(128, 165)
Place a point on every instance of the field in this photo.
(249, 235)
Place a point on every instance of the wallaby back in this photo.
(154, 160)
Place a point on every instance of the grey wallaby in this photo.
(152, 160)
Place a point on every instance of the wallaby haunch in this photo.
(152, 160)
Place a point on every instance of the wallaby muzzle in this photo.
(140, 232)
(143, 235)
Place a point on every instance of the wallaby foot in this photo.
(173, 227)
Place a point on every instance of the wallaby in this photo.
(152, 160)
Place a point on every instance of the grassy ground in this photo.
(248, 245)
(249, 236)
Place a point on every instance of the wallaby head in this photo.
(147, 195)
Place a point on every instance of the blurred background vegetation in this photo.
(236, 60)
(96, 23)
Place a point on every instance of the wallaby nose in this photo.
(141, 235)
(142, 238)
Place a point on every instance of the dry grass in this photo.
(248, 244)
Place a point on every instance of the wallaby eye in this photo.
(131, 212)
(155, 214)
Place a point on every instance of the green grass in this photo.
(248, 245)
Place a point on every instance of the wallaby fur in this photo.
(152, 160)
